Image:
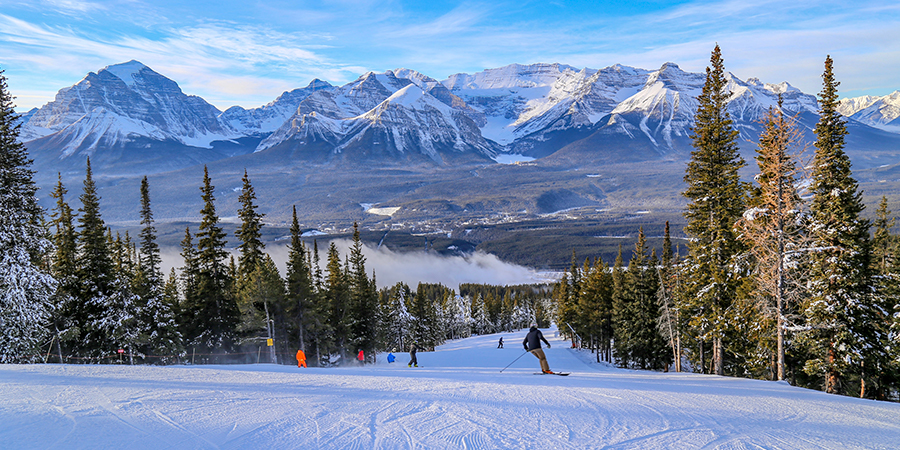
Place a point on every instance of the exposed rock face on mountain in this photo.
(540, 109)
(383, 117)
(879, 112)
(267, 118)
(120, 102)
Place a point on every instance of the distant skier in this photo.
(391, 356)
(413, 362)
(301, 358)
(500, 345)
(361, 357)
(532, 344)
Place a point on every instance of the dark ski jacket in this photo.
(533, 339)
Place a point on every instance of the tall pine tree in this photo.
(95, 272)
(716, 202)
(842, 331)
(63, 268)
(161, 337)
(25, 288)
(213, 312)
(304, 308)
(363, 301)
(250, 231)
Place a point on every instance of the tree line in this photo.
(782, 279)
(111, 294)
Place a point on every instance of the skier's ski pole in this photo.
(507, 366)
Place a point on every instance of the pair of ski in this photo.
(562, 374)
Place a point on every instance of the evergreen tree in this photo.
(396, 317)
(188, 275)
(63, 269)
(262, 305)
(213, 313)
(886, 271)
(568, 297)
(481, 321)
(884, 243)
(595, 309)
(639, 313)
(620, 310)
(362, 305)
(122, 306)
(250, 231)
(301, 294)
(158, 320)
(841, 318)
(336, 298)
(716, 202)
(25, 288)
(95, 271)
(150, 259)
(670, 320)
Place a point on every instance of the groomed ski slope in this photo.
(458, 399)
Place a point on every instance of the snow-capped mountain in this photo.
(395, 115)
(129, 111)
(879, 112)
(269, 117)
(536, 110)
(119, 104)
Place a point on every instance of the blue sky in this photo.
(248, 52)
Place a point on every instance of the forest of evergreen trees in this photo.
(111, 295)
(782, 278)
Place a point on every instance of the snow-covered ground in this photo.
(457, 399)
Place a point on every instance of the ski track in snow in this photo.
(458, 399)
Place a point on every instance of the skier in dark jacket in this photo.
(412, 355)
(532, 344)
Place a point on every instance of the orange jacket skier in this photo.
(301, 358)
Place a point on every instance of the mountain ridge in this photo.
(425, 149)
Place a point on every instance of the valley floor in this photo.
(458, 399)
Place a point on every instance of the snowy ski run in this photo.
(459, 401)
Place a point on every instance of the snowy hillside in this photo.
(457, 399)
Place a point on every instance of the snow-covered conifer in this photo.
(716, 202)
(843, 329)
(25, 289)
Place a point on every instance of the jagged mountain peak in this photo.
(318, 84)
(672, 77)
(126, 71)
(880, 112)
(509, 77)
(131, 101)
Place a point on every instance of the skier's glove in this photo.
(548, 345)
(526, 348)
